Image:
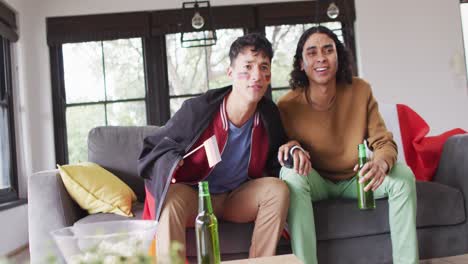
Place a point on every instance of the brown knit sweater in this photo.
(332, 136)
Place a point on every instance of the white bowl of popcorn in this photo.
(125, 241)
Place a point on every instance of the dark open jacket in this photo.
(162, 151)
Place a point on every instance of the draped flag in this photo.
(419, 151)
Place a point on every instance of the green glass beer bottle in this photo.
(365, 199)
(206, 228)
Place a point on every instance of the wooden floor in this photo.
(22, 257)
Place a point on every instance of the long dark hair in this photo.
(299, 78)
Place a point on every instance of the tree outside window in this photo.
(104, 85)
(193, 71)
(284, 39)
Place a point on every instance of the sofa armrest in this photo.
(453, 164)
(50, 207)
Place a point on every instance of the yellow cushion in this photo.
(96, 189)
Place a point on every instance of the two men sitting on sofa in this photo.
(327, 110)
(249, 132)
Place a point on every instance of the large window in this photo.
(8, 180)
(104, 85)
(131, 69)
(8, 170)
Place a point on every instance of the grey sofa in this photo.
(345, 234)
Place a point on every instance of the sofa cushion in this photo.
(234, 238)
(438, 205)
(117, 149)
(96, 189)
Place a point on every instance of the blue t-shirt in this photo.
(232, 171)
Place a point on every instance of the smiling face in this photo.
(251, 74)
(320, 59)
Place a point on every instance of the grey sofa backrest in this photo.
(116, 148)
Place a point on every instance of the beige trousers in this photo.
(264, 201)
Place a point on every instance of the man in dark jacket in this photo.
(249, 132)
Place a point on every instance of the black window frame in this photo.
(8, 36)
(152, 26)
(106, 101)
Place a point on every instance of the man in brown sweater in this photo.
(330, 113)
(331, 136)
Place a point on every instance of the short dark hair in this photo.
(344, 73)
(256, 40)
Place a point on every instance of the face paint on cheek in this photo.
(268, 77)
(242, 75)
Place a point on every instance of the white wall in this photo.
(405, 49)
(409, 50)
(13, 227)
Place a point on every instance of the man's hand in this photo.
(301, 158)
(375, 171)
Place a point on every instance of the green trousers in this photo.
(398, 186)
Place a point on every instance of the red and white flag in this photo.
(211, 150)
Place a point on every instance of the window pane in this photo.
(195, 70)
(336, 28)
(284, 39)
(126, 114)
(103, 71)
(5, 159)
(176, 103)
(124, 71)
(80, 120)
(276, 94)
(219, 57)
(186, 67)
(84, 79)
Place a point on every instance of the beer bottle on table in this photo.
(365, 199)
(206, 228)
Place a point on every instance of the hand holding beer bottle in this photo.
(365, 197)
